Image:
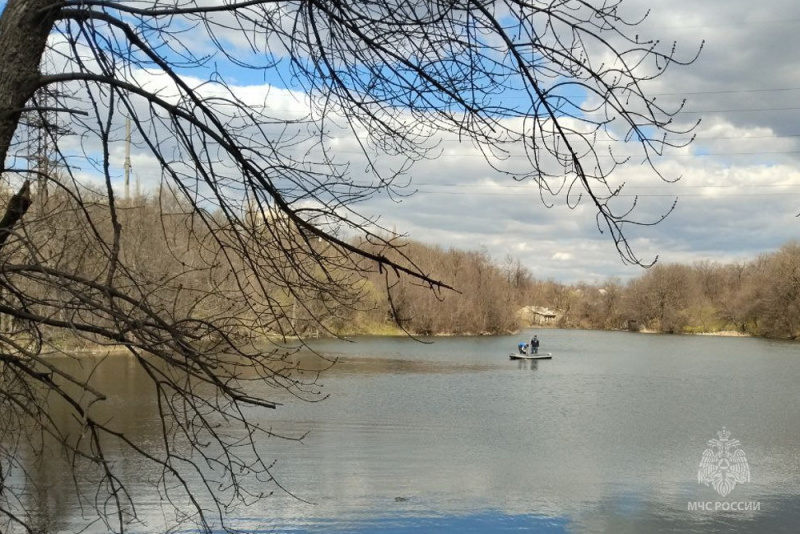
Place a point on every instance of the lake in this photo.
(453, 437)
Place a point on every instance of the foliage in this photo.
(760, 297)
(484, 303)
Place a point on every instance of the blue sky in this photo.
(739, 187)
(739, 190)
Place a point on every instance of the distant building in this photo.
(543, 316)
(537, 315)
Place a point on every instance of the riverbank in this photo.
(725, 333)
(386, 331)
(720, 333)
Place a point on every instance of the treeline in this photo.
(759, 297)
(53, 269)
(163, 257)
(485, 299)
(174, 259)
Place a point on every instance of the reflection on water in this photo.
(373, 365)
(454, 437)
(483, 522)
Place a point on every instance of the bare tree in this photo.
(778, 280)
(660, 298)
(256, 207)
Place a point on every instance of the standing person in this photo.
(535, 345)
(522, 347)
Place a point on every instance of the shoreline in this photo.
(724, 333)
(110, 349)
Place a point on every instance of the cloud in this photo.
(739, 183)
(739, 187)
(562, 256)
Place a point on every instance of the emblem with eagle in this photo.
(723, 464)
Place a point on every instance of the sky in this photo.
(738, 193)
(739, 190)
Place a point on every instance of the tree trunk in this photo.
(24, 28)
(15, 209)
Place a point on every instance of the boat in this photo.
(537, 356)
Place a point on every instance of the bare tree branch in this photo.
(251, 232)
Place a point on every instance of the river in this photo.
(453, 437)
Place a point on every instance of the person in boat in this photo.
(535, 345)
(523, 347)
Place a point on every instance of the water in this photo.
(454, 437)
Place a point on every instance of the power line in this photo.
(618, 156)
(532, 188)
(667, 186)
(624, 195)
(697, 140)
(729, 91)
(680, 93)
(739, 110)
(738, 24)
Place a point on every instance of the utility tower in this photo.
(127, 164)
